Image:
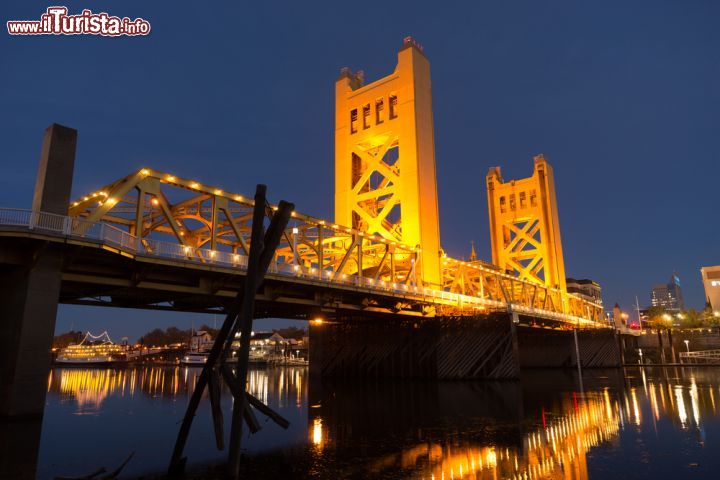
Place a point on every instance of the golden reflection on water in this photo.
(557, 449)
(91, 387)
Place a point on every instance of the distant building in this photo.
(711, 282)
(619, 318)
(585, 288)
(668, 295)
(201, 341)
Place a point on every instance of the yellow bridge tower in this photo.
(524, 226)
(385, 158)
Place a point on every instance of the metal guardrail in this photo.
(74, 227)
(715, 354)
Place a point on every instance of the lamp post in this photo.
(640, 353)
(687, 345)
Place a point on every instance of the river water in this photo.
(636, 423)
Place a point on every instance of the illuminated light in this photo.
(75, 204)
(170, 178)
(218, 191)
(112, 201)
(145, 171)
(238, 198)
(296, 267)
(86, 199)
(186, 248)
(94, 194)
(317, 432)
(182, 233)
(275, 208)
(155, 201)
(236, 258)
(295, 231)
(317, 320)
(212, 253)
(194, 185)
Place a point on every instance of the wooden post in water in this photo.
(239, 317)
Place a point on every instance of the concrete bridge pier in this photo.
(442, 348)
(30, 287)
(489, 346)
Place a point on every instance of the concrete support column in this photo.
(29, 293)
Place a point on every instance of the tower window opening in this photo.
(533, 198)
(502, 204)
(512, 202)
(353, 120)
(379, 107)
(366, 116)
(523, 202)
(393, 106)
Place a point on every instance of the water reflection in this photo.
(476, 432)
(475, 449)
(88, 388)
(541, 427)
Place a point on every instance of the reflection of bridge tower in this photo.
(385, 157)
(524, 226)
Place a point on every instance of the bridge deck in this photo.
(111, 267)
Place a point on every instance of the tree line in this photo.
(658, 317)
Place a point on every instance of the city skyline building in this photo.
(668, 295)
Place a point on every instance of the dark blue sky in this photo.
(622, 97)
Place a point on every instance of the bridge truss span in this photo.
(152, 214)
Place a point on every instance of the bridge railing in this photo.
(115, 237)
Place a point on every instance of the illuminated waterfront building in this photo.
(585, 288)
(711, 282)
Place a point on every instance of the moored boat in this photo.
(194, 358)
(93, 350)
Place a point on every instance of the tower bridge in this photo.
(157, 240)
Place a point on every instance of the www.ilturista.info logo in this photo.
(56, 21)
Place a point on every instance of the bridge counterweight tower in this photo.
(524, 226)
(385, 158)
